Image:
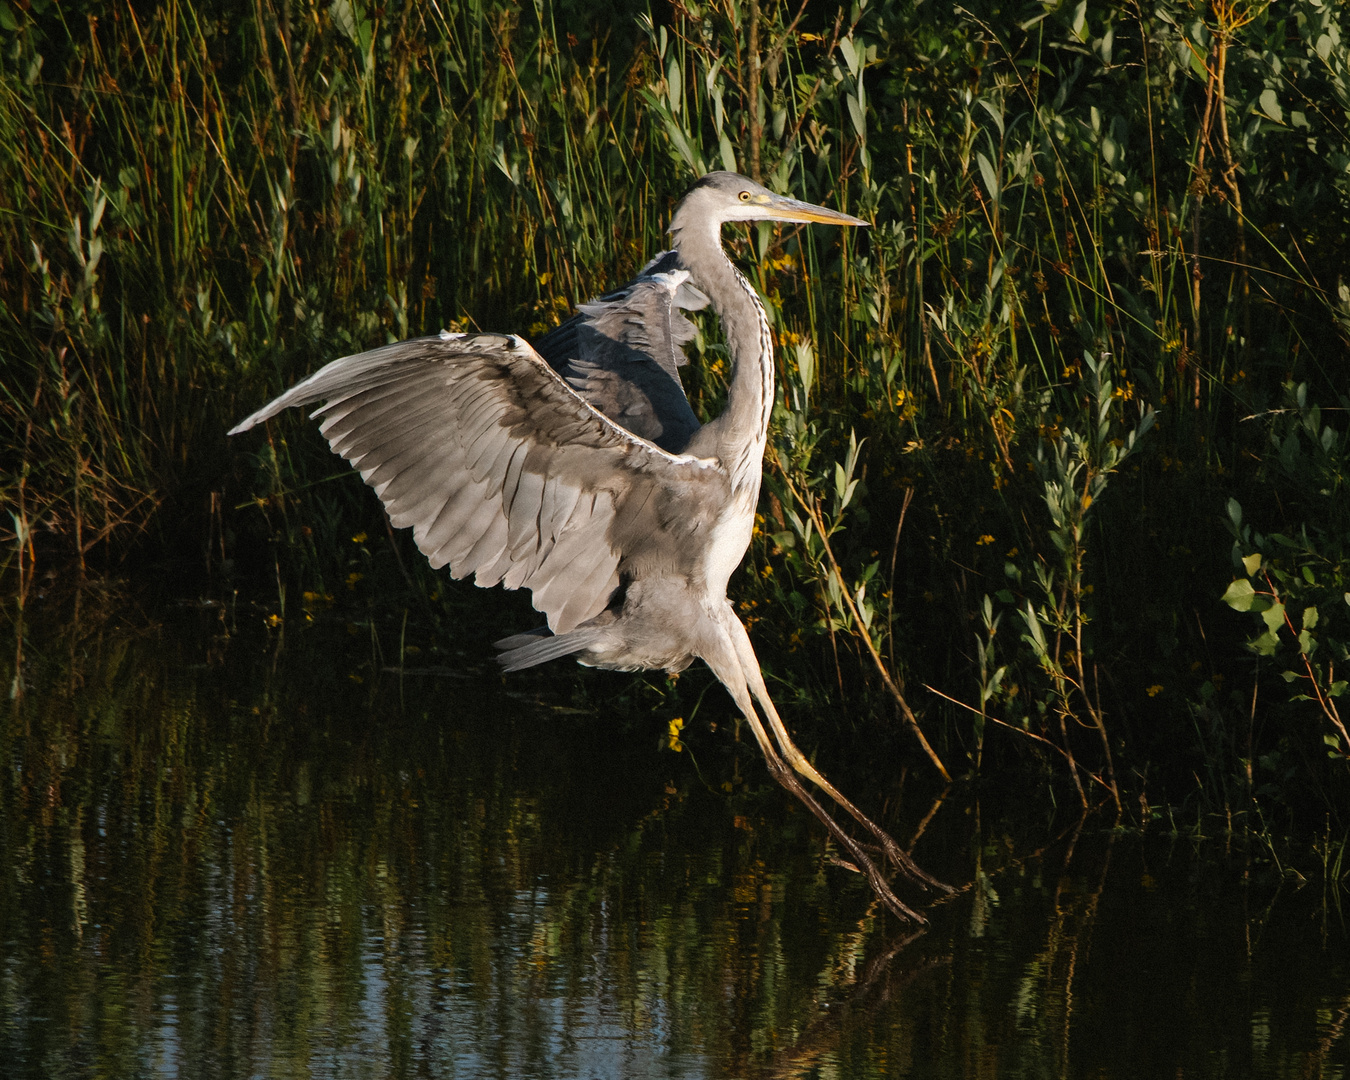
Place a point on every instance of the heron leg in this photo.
(745, 653)
(729, 672)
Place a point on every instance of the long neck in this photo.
(738, 436)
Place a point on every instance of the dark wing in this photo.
(621, 352)
(504, 472)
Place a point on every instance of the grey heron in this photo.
(578, 470)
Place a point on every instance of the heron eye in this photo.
(745, 196)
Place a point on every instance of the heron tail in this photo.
(540, 646)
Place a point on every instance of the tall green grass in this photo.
(1085, 373)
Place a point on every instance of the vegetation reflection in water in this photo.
(225, 857)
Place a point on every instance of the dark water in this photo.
(236, 855)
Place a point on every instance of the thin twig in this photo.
(810, 507)
(1029, 734)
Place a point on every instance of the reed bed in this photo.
(1082, 383)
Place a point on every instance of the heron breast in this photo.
(730, 539)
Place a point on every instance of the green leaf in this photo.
(1080, 21)
(351, 21)
(1274, 616)
(1252, 563)
(1270, 103)
(1309, 618)
(344, 18)
(989, 176)
(673, 73)
(1265, 645)
(806, 366)
(1036, 637)
(988, 107)
(1239, 595)
(728, 153)
(1307, 644)
(1235, 512)
(857, 114)
(1198, 63)
(850, 53)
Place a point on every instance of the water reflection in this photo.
(224, 857)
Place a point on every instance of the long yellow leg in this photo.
(727, 666)
(745, 653)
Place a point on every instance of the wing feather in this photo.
(382, 464)
(558, 502)
(484, 554)
(457, 514)
(441, 523)
(393, 424)
(381, 398)
(491, 447)
(588, 576)
(525, 510)
(571, 563)
(477, 526)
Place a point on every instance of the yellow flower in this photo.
(1154, 690)
(985, 539)
(673, 734)
(359, 538)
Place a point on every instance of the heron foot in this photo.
(903, 862)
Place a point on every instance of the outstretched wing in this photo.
(621, 352)
(503, 471)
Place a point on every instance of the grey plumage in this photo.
(622, 352)
(576, 469)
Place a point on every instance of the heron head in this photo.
(720, 197)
